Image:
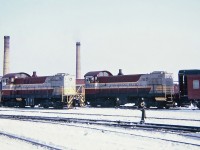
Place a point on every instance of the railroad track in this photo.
(124, 124)
(101, 124)
(105, 115)
(33, 142)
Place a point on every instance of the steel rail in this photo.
(29, 141)
(63, 121)
(109, 123)
(159, 118)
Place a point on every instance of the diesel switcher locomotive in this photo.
(21, 89)
(154, 89)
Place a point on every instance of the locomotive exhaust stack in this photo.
(34, 74)
(6, 55)
(120, 72)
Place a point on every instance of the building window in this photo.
(195, 84)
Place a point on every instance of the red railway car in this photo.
(193, 87)
(103, 88)
(189, 87)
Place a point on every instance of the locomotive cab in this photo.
(5, 81)
(9, 79)
(92, 77)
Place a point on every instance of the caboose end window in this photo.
(195, 84)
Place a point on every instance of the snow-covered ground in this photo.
(115, 114)
(91, 137)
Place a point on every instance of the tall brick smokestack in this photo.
(78, 61)
(6, 55)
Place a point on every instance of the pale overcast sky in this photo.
(137, 36)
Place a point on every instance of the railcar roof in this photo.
(189, 72)
(120, 78)
(19, 75)
(96, 73)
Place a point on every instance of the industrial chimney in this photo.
(78, 61)
(6, 55)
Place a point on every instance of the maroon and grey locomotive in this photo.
(154, 89)
(21, 89)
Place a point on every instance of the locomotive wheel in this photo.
(167, 107)
(107, 104)
(46, 106)
(198, 105)
(147, 106)
(160, 106)
(22, 104)
(93, 105)
(58, 105)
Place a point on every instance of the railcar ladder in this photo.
(80, 96)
